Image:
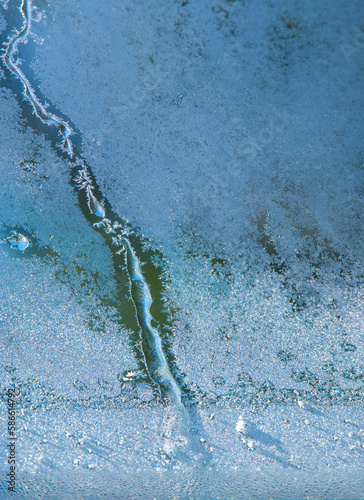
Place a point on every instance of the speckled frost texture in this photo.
(230, 133)
(267, 101)
(55, 288)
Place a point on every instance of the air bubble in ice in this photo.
(105, 385)
(218, 381)
(18, 241)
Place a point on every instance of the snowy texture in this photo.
(228, 135)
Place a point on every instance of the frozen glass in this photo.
(181, 257)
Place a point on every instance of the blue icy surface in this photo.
(231, 134)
